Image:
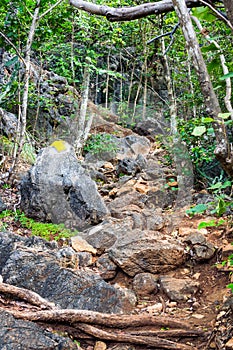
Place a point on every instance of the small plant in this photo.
(219, 206)
(6, 186)
(99, 143)
(197, 209)
(47, 231)
(211, 223)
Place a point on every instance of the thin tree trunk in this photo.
(130, 87)
(191, 87)
(83, 127)
(107, 81)
(23, 110)
(229, 9)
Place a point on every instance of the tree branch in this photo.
(129, 13)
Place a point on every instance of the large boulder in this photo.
(147, 251)
(58, 189)
(35, 264)
(136, 250)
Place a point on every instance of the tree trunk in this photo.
(223, 150)
(229, 10)
(83, 124)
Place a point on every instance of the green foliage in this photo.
(197, 209)
(211, 223)
(9, 88)
(100, 143)
(229, 262)
(219, 206)
(28, 152)
(47, 231)
(218, 187)
(6, 145)
(198, 135)
(203, 13)
(231, 284)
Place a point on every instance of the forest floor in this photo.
(202, 311)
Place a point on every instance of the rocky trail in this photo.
(141, 277)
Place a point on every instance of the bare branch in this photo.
(14, 47)
(129, 13)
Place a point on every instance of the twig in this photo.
(14, 47)
(165, 34)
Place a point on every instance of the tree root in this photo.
(143, 329)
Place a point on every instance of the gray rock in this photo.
(102, 239)
(198, 246)
(57, 189)
(8, 123)
(146, 251)
(10, 241)
(135, 198)
(2, 205)
(151, 127)
(178, 289)
(25, 335)
(130, 146)
(145, 284)
(106, 267)
(69, 258)
(39, 270)
(133, 145)
(130, 166)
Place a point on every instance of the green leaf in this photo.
(224, 115)
(214, 65)
(221, 207)
(207, 120)
(205, 224)
(215, 186)
(211, 47)
(199, 130)
(11, 61)
(204, 14)
(225, 76)
(197, 209)
(226, 184)
(210, 131)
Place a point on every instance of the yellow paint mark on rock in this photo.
(60, 145)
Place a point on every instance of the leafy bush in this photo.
(100, 143)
